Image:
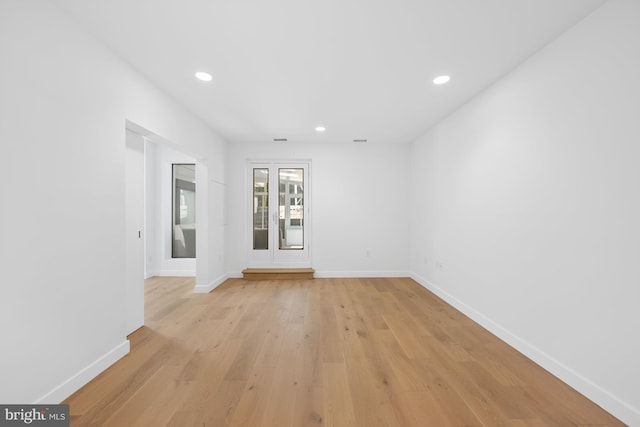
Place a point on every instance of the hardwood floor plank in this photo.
(255, 397)
(338, 406)
(311, 354)
(405, 337)
(323, 352)
(216, 364)
(419, 409)
(309, 406)
(403, 376)
(219, 408)
(281, 404)
(450, 403)
(373, 407)
(331, 347)
(153, 403)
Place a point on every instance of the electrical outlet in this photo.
(426, 260)
(367, 253)
(439, 266)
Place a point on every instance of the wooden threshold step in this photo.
(277, 273)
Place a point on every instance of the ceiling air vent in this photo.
(359, 140)
(279, 139)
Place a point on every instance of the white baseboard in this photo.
(175, 273)
(342, 274)
(356, 274)
(73, 384)
(609, 402)
(205, 289)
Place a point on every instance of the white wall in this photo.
(359, 204)
(65, 100)
(528, 196)
(159, 260)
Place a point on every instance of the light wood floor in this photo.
(330, 352)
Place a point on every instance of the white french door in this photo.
(279, 214)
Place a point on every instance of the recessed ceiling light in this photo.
(320, 128)
(441, 80)
(205, 77)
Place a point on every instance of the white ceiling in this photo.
(362, 68)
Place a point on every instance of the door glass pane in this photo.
(184, 211)
(291, 208)
(260, 208)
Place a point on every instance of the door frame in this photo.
(134, 230)
(269, 258)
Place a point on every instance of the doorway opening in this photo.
(183, 205)
(150, 212)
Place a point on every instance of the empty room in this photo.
(341, 213)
